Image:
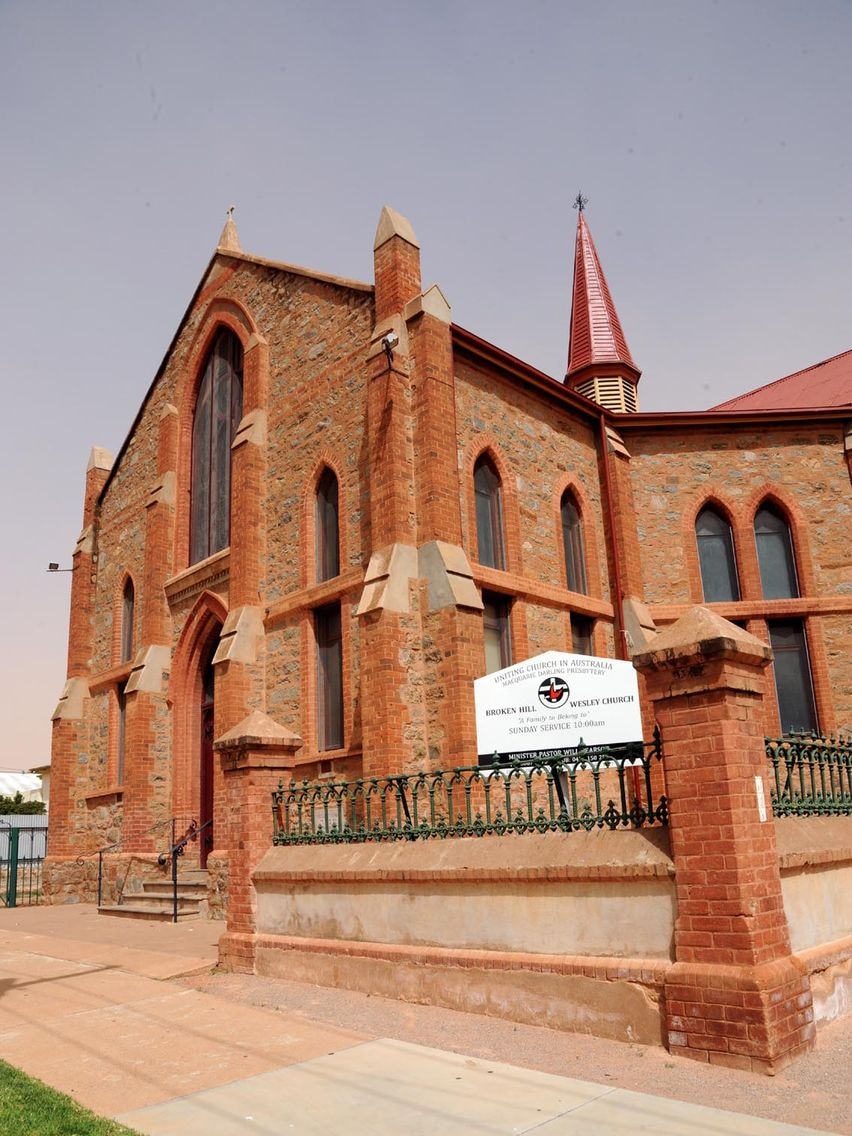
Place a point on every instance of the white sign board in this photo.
(545, 707)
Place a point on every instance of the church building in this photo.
(335, 508)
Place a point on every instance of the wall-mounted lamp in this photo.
(53, 567)
(390, 341)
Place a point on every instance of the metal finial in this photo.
(231, 212)
(580, 202)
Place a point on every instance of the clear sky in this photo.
(712, 140)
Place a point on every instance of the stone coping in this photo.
(810, 841)
(627, 855)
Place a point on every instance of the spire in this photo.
(229, 240)
(600, 365)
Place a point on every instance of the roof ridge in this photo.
(784, 378)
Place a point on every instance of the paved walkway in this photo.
(84, 1006)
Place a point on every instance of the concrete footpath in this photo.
(87, 1006)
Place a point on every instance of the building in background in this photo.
(335, 508)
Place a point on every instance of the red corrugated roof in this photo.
(596, 335)
(828, 383)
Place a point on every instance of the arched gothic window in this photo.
(572, 540)
(218, 409)
(775, 554)
(716, 557)
(128, 612)
(488, 493)
(327, 523)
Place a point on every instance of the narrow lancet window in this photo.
(489, 514)
(128, 612)
(775, 555)
(218, 409)
(716, 557)
(572, 540)
(327, 527)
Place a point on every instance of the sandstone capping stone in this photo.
(257, 728)
(165, 491)
(386, 583)
(448, 575)
(252, 428)
(242, 633)
(71, 700)
(639, 624)
(393, 224)
(258, 742)
(150, 667)
(99, 458)
(432, 302)
(85, 541)
(229, 238)
(701, 636)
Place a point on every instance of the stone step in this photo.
(189, 888)
(160, 915)
(161, 897)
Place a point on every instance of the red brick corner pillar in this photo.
(256, 755)
(735, 995)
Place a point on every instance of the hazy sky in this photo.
(712, 140)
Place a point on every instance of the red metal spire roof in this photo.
(596, 335)
(828, 383)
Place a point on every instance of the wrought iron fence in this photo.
(810, 776)
(612, 787)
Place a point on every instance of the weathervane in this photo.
(580, 202)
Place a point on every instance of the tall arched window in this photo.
(218, 409)
(128, 612)
(489, 514)
(572, 540)
(716, 557)
(775, 554)
(327, 523)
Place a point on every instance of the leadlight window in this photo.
(496, 632)
(716, 557)
(488, 493)
(582, 630)
(121, 698)
(572, 540)
(327, 519)
(329, 641)
(775, 555)
(128, 606)
(793, 683)
(218, 409)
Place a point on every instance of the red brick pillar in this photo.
(255, 756)
(735, 995)
(69, 779)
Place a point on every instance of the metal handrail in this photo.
(177, 849)
(101, 852)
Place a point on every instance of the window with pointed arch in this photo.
(327, 526)
(128, 615)
(572, 542)
(488, 494)
(719, 580)
(218, 409)
(775, 555)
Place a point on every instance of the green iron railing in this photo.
(598, 787)
(810, 776)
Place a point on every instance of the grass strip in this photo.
(30, 1108)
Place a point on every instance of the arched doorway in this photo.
(205, 753)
